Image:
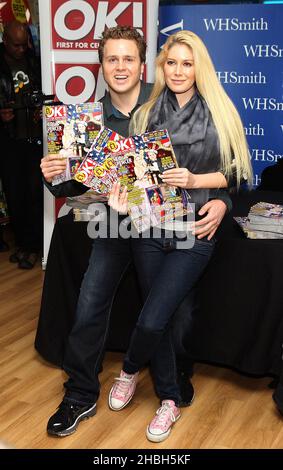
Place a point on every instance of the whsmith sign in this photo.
(246, 45)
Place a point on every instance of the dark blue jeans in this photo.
(166, 276)
(85, 349)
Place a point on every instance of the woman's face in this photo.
(179, 72)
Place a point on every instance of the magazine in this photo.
(84, 200)
(97, 170)
(82, 204)
(71, 131)
(150, 201)
(265, 213)
(253, 233)
(275, 228)
(137, 163)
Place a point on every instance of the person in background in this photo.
(122, 54)
(272, 177)
(3, 218)
(211, 149)
(21, 140)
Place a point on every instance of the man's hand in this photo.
(207, 226)
(52, 165)
(118, 201)
(7, 114)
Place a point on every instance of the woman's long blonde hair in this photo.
(233, 144)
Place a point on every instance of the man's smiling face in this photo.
(121, 65)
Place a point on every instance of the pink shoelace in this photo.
(163, 414)
(122, 385)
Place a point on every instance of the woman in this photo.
(211, 149)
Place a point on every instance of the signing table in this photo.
(240, 319)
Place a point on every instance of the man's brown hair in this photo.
(123, 32)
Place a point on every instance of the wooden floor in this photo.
(229, 412)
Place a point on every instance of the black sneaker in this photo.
(28, 260)
(17, 255)
(67, 418)
(186, 389)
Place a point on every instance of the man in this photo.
(272, 177)
(20, 132)
(122, 55)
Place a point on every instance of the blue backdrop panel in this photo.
(246, 46)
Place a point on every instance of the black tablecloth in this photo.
(240, 320)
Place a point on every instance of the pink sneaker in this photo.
(160, 427)
(122, 391)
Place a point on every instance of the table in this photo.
(240, 320)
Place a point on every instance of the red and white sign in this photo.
(76, 83)
(15, 10)
(70, 33)
(78, 25)
(74, 32)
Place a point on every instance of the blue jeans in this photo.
(85, 349)
(166, 275)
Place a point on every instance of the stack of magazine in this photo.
(265, 221)
(82, 203)
(98, 157)
(137, 163)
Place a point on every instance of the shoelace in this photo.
(121, 387)
(162, 415)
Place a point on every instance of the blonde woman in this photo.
(211, 149)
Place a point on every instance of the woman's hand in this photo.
(181, 177)
(52, 165)
(118, 201)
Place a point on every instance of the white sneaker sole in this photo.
(121, 407)
(159, 437)
(67, 432)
